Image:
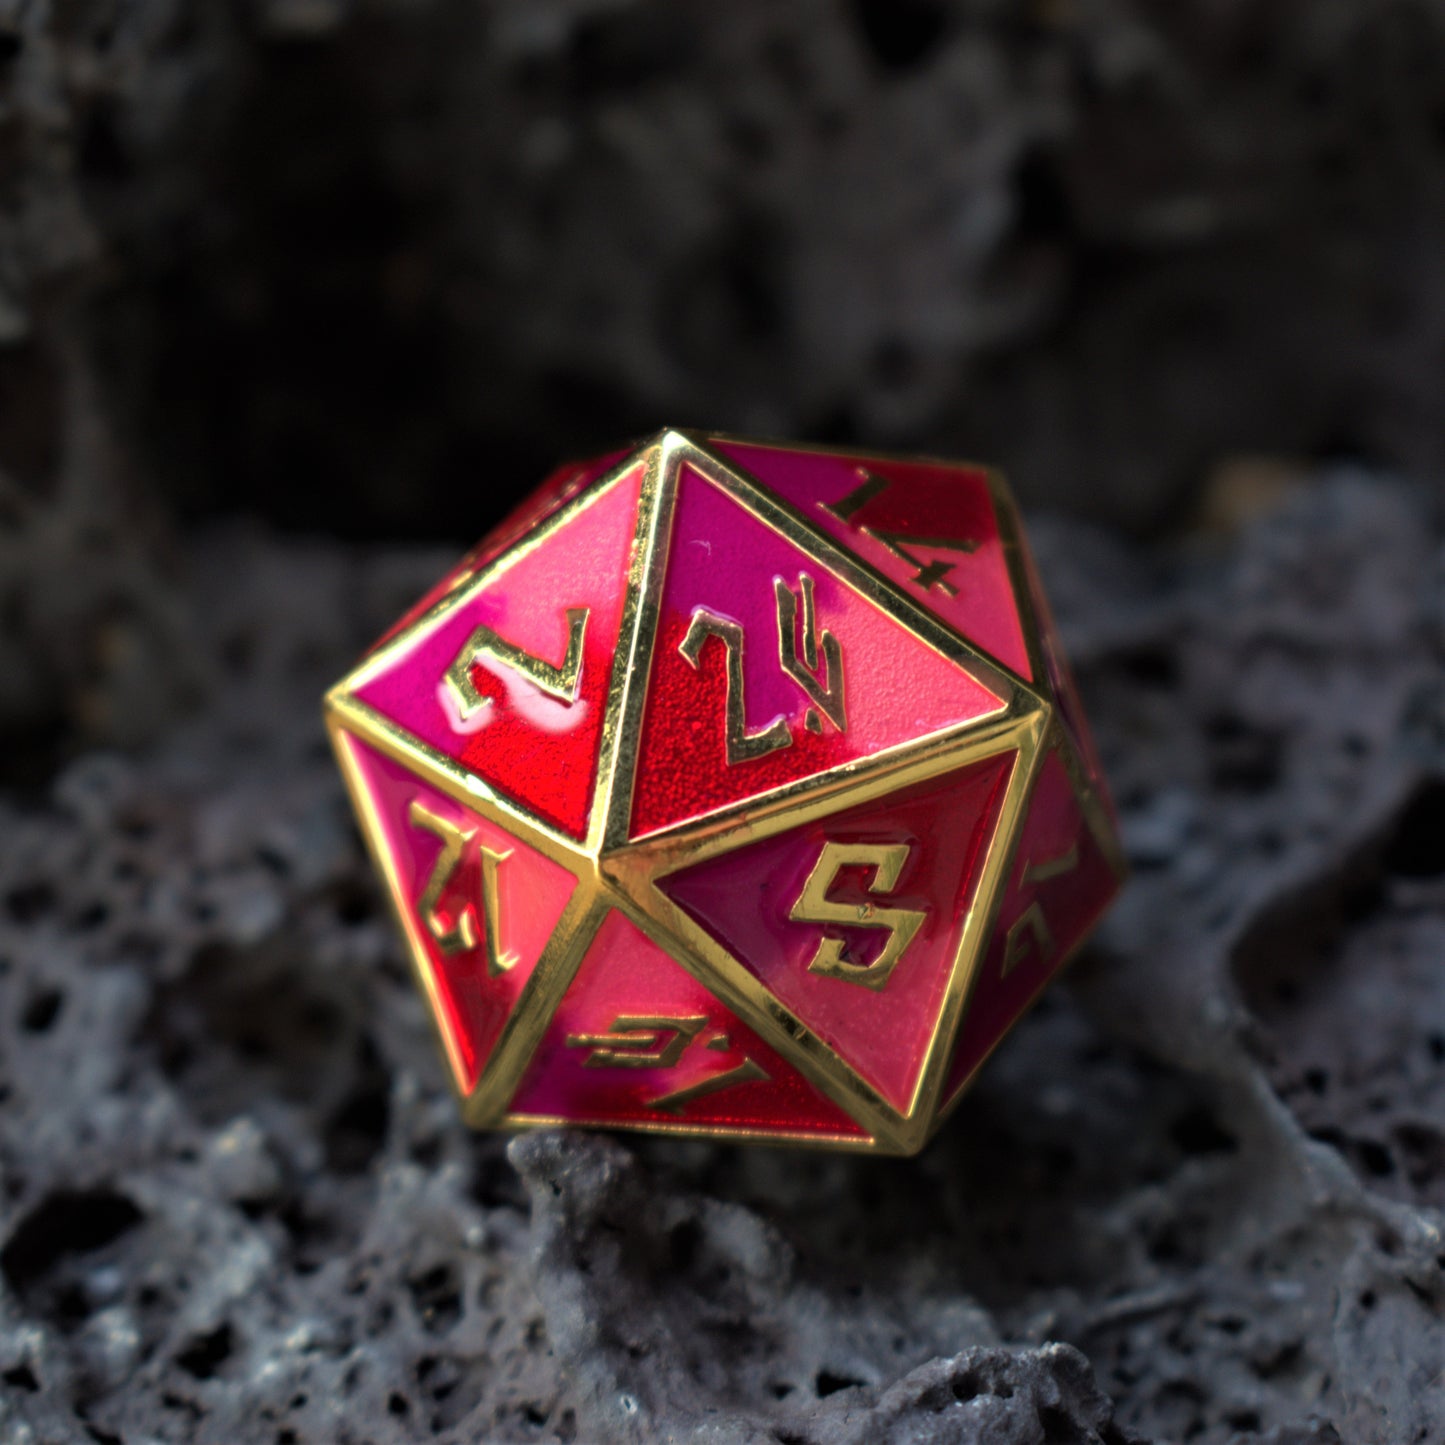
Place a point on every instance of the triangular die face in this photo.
(636, 1040)
(768, 669)
(930, 528)
(910, 862)
(1058, 885)
(479, 906)
(512, 682)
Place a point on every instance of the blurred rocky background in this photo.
(297, 295)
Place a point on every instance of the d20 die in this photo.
(732, 789)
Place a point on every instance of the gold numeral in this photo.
(926, 574)
(1030, 931)
(460, 936)
(674, 1103)
(814, 906)
(827, 694)
(638, 1041)
(558, 681)
(798, 656)
(742, 745)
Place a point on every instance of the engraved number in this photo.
(814, 906)
(641, 1041)
(799, 644)
(926, 574)
(460, 935)
(1030, 931)
(558, 681)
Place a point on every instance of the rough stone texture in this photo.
(1197, 1196)
(349, 260)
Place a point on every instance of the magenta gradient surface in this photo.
(723, 560)
(1068, 903)
(922, 508)
(743, 899)
(532, 891)
(624, 975)
(538, 750)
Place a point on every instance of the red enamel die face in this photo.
(734, 790)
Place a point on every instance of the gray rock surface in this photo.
(1197, 1196)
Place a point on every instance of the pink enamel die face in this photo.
(734, 790)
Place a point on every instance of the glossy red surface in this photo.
(532, 891)
(942, 517)
(1067, 900)
(538, 750)
(743, 899)
(723, 560)
(768, 670)
(626, 976)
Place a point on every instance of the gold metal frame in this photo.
(614, 872)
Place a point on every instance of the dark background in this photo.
(297, 295)
(368, 267)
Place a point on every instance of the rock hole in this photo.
(437, 1298)
(64, 1223)
(42, 1011)
(901, 33)
(1059, 1427)
(683, 1244)
(1417, 849)
(829, 1382)
(1198, 1132)
(21, 1377)
(356, 1132)
(205, 1354)
(30, 902)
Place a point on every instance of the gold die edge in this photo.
(372, 832)
(456, 782)
(1020, 563)
(664, 454)
(536, 1006)
(379, 658)
(888, 595)
(979, 923)
(718, 970)
(1056, 739)
(627, 698)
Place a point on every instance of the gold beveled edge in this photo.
(978, 930)
(532, 1014)
(1022, 568)
(719, 1133)
(379, 658)
(980, 663)
(501, 1071)
(373, 834)
(447, 774)
(779, 809)
(1057, 739)
(634, 874)
(948, 1105)
(830, 449)
(458, 783)
(632, 665)
(1016, 696)
(698, 954)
